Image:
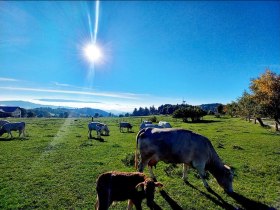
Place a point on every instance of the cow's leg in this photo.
(10, 132)
(89, 134)
(142, 165)
(151, 172)
(137, 204)
(202, 174)
(24, 132)
(98, 133)
(103, 201)
(97, 203)
(185, 171)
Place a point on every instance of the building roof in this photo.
(8, 108)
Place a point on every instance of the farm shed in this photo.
(10, 111)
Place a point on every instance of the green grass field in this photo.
(56, 166)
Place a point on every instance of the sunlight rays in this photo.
(91, 51)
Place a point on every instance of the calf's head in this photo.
(149, 186)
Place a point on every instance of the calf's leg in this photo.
(129, 204)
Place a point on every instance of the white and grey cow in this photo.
(173, 145)
(100, 128)
(164, 124)
(149, 125)
(16, 126)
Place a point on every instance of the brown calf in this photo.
(121, 186)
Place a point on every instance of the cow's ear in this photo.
(140, 186)
(158, 184)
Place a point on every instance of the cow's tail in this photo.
(136, 150)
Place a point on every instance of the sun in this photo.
(92, 53)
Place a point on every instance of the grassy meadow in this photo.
(56, 166)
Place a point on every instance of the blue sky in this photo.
(153, 52)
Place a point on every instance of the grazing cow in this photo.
(164, 124)
(173, 145)
(2, 122)
(125, 125)
(121, 186)
(149, 125)
(100, 128)
(17, 126)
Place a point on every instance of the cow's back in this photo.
(173, 145)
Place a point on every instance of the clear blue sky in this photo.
(153, 52)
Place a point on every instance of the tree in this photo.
(193, 112)
(30, 114)
(266, 92)
(220, 109)
(231, 109)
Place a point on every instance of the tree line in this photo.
(184, 111)
(262, 101)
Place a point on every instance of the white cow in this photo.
(144, 125)
(164, 124)
(100, 128)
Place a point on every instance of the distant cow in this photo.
(150, 125)
(126, 125)
(17, 126)
(181, 146)
(164, 124)
(100, 128)
(121, 186)
(2, 122)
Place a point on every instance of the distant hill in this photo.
(24, 104)
(210, 107)
(48, 110)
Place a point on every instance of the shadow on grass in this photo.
(173, 204)
(245, 202)
(218, 200)
(14, 138)
(98, 139)
(203, 121)
(157, 207)
(248, 203)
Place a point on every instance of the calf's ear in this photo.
(139, 187)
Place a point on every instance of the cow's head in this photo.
(149, 187)
(226, 178)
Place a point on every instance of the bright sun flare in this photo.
(92, 53)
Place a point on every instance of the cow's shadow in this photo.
(13, 138)
(218, 200)
(127, 131)
(248, 203)
(172, 203)
(245, 202)
(97, 139)
(5, 139)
